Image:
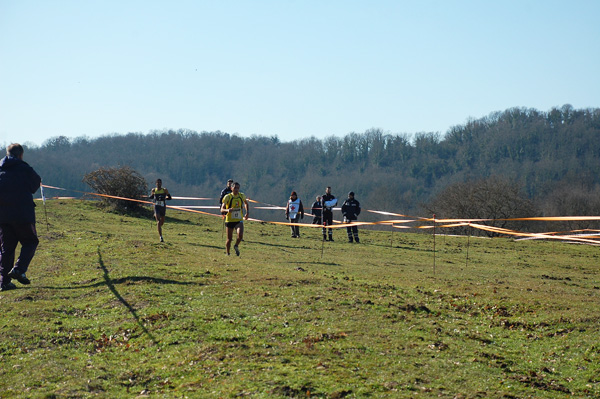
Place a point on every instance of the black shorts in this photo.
(232, 225)
(160, 210)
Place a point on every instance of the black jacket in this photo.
(224, 192)
(351, 209)
(18, 182)
(316, 209)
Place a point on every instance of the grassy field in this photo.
(114, 313)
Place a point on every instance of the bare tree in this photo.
(495, 199)
(574, 199)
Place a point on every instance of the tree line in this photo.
(550, 158)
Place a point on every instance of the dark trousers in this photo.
(295, 229)
(10, 235)
(327, 221)
(352, 233)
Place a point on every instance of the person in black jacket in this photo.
(225, 191)
(316, 210)
(350, 211)
(18, 183)
(328, 201)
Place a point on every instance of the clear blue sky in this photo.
(294, 69)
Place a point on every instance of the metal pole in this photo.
(434, 244)
(45, 210)
(323, 240)
(468, 244)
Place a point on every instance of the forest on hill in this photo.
(551, 157)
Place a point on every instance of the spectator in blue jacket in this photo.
(350, 211)
(18, 183)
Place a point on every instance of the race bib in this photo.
(236, 213)
(160, 203)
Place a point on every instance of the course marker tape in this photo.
(447, 223)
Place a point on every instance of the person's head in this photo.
(235, 187)
(158, 183)
(351, 194)
(318, 198)
(230, 183)
(327, 190)
(15, 150)
(293, 195)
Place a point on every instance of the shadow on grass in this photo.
(271, 245)
(195, 244)
(311, 263)
(112, 288)
(299, 245)
(110, 283)
(396, 245)
(125, 280)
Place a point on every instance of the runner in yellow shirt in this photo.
(233, 208)
(160, 194)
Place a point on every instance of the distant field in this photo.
(113, 313)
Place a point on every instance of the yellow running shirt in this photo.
(236, 204)
(160, 195)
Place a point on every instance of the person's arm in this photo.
(151, 194)
(168, 194)
(224, 210)
(247, 208)
(301, 210)
(34, 180)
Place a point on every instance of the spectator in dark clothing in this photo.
(328, 201)
(225, 191)
(316, 210)
(18, 183)
(350, 211)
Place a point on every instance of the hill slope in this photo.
(111, 312)
(545, 153)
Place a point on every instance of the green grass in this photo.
(113, 313)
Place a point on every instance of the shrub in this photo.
(120, 182)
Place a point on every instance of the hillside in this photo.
(546, 154)
(111, 312)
